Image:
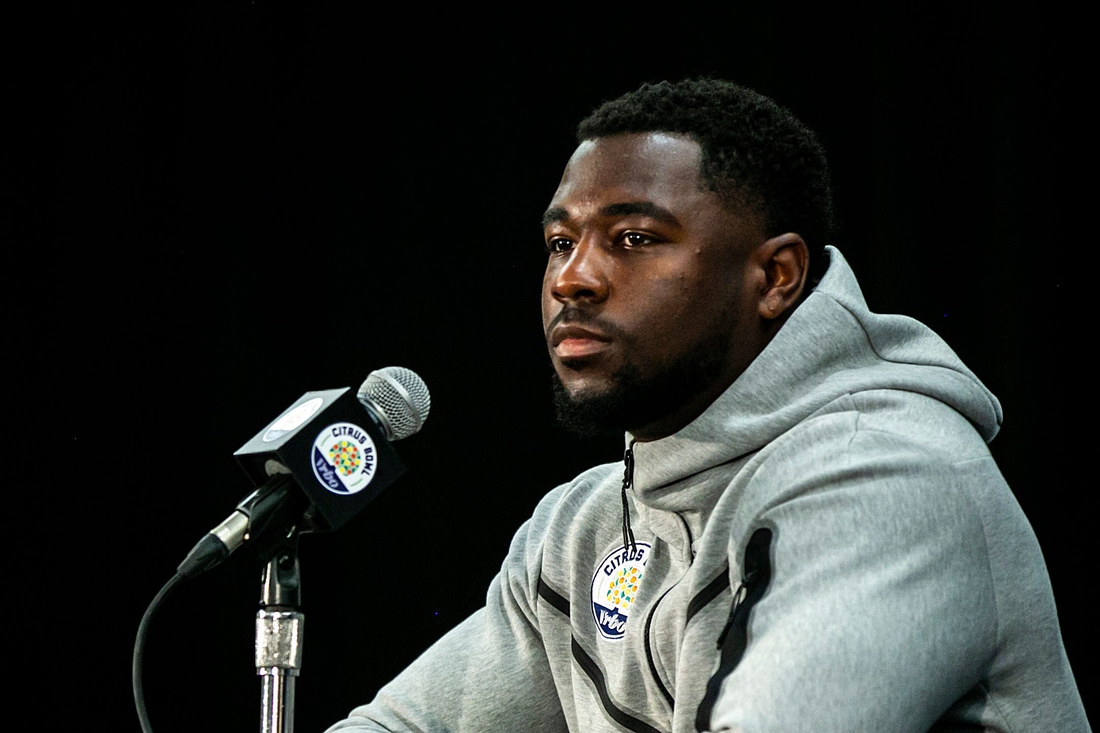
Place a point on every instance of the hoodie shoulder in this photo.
(908, 346)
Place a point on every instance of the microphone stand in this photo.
(279, 637)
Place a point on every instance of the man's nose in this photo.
(583, 275)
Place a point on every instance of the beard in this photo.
(634, 399)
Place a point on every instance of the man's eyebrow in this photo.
(646, 208)
(554, 214)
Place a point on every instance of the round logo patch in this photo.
(344, 458)
(615, 587)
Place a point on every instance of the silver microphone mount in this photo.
(315, 466)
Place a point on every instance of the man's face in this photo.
(644, 303)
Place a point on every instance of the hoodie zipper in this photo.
(628, 541)
(738, 598)
(649, 650)
(734, 637)
(753, 584)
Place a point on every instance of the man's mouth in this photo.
(574, 348)
(573, 342)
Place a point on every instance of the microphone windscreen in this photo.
(399, 398)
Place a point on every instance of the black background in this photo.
(218, 210)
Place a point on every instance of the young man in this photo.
(807, 531)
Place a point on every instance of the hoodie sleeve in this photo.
(896, 577)
(488, 673)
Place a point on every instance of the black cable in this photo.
(139, 652)
(269, 512)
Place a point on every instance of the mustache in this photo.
(575, 316)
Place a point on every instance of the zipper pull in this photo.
(738, 598)
(628, 482)
(757, 568)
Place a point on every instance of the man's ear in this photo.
(785, 260)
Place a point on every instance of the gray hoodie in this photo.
(829, 547)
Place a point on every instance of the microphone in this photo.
(397, 399)
(317, 464)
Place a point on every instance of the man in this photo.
(807, 531)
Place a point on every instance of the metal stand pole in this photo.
(279, 639)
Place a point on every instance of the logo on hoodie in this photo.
(615, 587)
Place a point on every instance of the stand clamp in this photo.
(279, 639)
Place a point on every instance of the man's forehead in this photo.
(631, 167)
(641, 153)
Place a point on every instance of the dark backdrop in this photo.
(227, 208)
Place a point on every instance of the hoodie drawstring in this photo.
(628, 482)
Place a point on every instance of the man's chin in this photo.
(589, 412)
(630, 401)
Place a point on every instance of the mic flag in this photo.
(338, 455)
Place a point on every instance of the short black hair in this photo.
(755, 153)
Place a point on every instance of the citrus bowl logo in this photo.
(344, 458)
(615, 588)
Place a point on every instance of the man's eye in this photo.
(557, 245)
(637, 239)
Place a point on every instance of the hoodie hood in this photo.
(830, 346)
